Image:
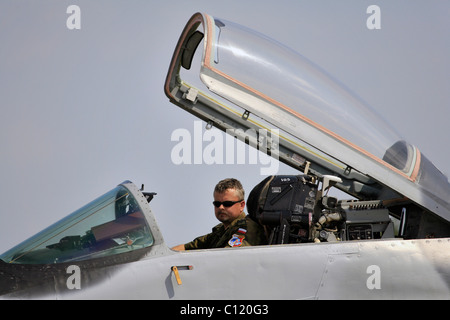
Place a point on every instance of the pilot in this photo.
(236, 228)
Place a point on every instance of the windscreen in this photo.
(113, 223)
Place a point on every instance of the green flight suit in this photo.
(242, 232)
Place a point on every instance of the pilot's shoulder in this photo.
(250, 224)
(255, 232)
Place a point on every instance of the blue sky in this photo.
(84, 110)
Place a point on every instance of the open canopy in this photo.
(276, 87)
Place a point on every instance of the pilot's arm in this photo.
(244, 232)
(202, 242)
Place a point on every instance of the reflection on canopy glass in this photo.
(291, 82)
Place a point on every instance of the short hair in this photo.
(230, 183)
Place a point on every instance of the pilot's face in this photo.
(227, 215)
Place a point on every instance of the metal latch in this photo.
(177, 274)
(191, 95)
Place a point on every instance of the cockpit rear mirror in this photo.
(190, 48)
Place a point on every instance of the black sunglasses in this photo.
(226, 204)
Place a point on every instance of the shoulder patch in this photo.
(236, 240)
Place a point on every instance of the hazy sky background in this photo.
(83, 110)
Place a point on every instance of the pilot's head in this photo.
(228, 200)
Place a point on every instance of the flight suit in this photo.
(242, 232)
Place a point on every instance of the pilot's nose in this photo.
(222, 208)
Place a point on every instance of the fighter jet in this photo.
(389, 239)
